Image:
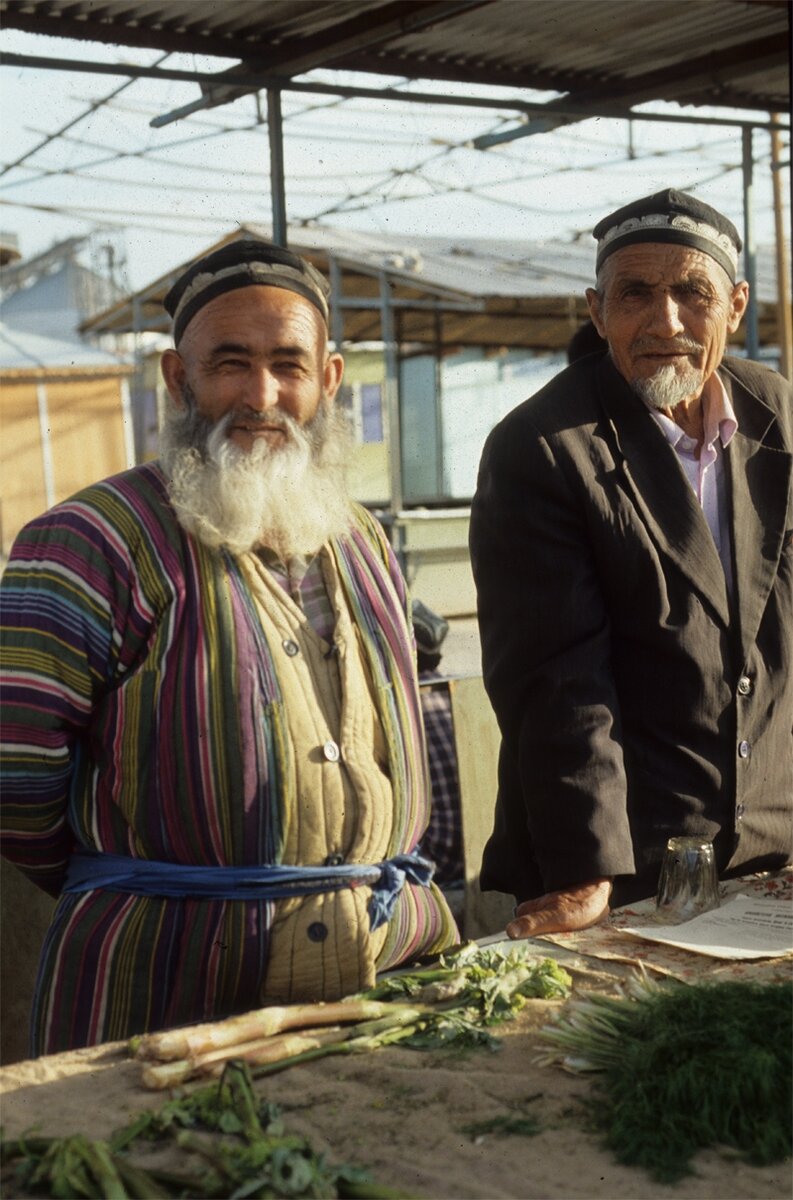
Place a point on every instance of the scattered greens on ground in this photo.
(686, 1067)
(236, 1146)
(502, 1127)
(516, 1122)
(239, 1141)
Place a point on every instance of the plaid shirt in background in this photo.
(443, 840)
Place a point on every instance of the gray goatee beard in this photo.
(289, 497)
(669, 385)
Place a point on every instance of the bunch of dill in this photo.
(686, 1067)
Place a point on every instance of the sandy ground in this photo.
(402, 1114)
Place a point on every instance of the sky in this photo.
(163, 195)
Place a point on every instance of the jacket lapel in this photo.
(760, 474)
(662, 493)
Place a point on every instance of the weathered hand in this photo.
(558, 912)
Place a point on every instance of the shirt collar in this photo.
(720, 419)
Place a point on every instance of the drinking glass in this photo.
(688, 884)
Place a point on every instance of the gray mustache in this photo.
(258, 420)
(648, 346)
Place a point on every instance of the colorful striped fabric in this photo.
(142, 717)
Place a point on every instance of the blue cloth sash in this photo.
(89, 870)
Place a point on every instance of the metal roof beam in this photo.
(693, 73)
(326, 89)
(370, 303)
(762, 53)
(379, 25)
(117, 33)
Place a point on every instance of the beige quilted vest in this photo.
(321, 945)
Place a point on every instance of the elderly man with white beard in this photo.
(632, 544)
(213, 745)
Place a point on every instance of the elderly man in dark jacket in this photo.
(632, 544)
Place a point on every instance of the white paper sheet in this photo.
(744, 927)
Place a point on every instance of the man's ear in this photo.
(332, 376)
(593, 300)
(173, 373)
(738, 302)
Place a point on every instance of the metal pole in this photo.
(137, 400)
(46, 445)
(752, 338)
(126, 417)
(275, 131)
(439, 403)
(336, 297)
(784, 320)
(392, 399)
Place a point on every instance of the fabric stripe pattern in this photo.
(142, 716)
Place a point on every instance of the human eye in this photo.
(228, 357)
(633, 292)
(694, 292)
(289, 366)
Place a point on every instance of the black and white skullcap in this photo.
(243, 263)
(670, 216)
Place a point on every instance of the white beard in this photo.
(670, 384)
(289, 498)
(667, 388)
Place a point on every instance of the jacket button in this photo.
(739, 811)
(334, 860)
(745, 685)
(744, 750)
(290, 647)
(331, 752)
(317, 931)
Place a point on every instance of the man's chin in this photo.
(246, 440)
(668, 387)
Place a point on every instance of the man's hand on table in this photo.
(561, 912)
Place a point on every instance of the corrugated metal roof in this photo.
(732, 53)
(488, 292)
(25, 353)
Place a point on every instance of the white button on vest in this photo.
(331, 752)
(744, 749)
(290, 647)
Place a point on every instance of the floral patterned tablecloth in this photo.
(604, 941)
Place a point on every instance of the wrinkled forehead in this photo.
(661, 264)
(258, 317)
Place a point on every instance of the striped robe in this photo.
(142, 716)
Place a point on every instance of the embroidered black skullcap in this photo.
(243, 263)
(670, 216)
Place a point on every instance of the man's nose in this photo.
(262, 392)
(665, 316)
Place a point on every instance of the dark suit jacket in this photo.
(637, 699)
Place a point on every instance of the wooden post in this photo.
(477, 739)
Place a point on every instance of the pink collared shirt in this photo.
(705, 471)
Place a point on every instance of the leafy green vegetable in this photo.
(456, 1000)
(239, 1141)
(686, 1067)
(493, 982)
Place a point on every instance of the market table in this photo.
(407, 1116)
